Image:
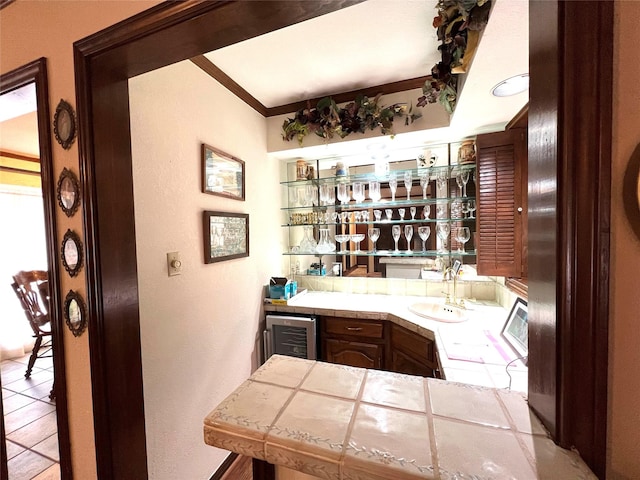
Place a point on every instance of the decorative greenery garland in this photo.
(327, 119)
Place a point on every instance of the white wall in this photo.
(199, 330)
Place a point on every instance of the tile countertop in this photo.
(344, 423)
(470, 352)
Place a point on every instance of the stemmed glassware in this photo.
(393, 185)
(388, 212)
(408, 181)
(442, 179)
(358, 191)
(426, 211)
(412, 210)
(462, 236)
(374, 191)
(395, 233)
(442, 230)
(342, 239)
(357, 238)
(374, 235)
(343, 193)
(465, 209)
(401, 213)
(408, 234)
(424, 233)
(464, 176)
(471, 206)
(460, 182)
(378, 215)
(424, 183)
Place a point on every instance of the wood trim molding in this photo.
(5, 3)
(19, 156)
(212, 70)
(36, 71)
(520, 119)
(217, 74)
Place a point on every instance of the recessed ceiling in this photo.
(378, 42)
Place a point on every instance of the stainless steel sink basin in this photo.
(439, 311)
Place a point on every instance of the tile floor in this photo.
(30, 420)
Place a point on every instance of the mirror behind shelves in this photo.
(438, 195)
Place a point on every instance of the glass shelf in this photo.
(383, 205)
(389, 253)
(381, 222)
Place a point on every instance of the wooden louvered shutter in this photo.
(500, 224)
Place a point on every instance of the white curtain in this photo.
(22, 247)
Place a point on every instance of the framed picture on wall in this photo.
(226, 236)
(222, 174)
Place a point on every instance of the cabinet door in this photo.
(355, 354)
(403, 363)
(501, 201)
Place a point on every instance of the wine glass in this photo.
(465, 209)
(343, 217)
(358, 191)
(310, 195)
(464, 176)
(401, 213)
(408, 234)
(393, 185)
(374, 191)
(412, 210)
(388, 212)
(343, 193)
(442, 230)
(324, 193)
(459, 182)
(471, 206)
(442, 178)
(426, 211)
(357, 238)
(378, 215)
(424, 183)
(462, 236)
(408, 181)
(374, 235)
(342, 239)
(395, 233)
(424, 233)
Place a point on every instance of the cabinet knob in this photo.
(519, 209)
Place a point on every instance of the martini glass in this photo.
(424, 233)
(374, 235)
(357, 238)
(395, 233)
(408, 234)
(342, 239)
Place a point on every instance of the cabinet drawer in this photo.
(353, 327)
(415, 346)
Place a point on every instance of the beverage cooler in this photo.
(290, 335)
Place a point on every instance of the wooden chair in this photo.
(32, 289)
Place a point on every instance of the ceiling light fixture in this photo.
(511, 86)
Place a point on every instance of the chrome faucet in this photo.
(450, 272)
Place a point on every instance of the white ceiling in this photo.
(378, 42)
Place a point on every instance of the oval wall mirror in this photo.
(75, 313)
(68, 192)
(71, 253)
(631, 191)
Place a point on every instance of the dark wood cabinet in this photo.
(502, 203)
(377, 344)
(412, 353)
(354, 342)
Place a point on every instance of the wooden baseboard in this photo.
(234, 467)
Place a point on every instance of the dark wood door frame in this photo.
(36, 72)
(569, 220)
(173, 32)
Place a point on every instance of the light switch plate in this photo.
(174, 264)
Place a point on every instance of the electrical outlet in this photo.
(174, 264)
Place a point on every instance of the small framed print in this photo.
(68, 192)
(71, 253)
(75, 313)
(226, 236)
(222, 174)
(516, 329)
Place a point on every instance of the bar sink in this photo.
(439, 311)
